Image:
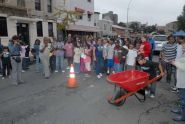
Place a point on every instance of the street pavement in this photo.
(48, 101)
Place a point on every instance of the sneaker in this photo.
(98, 76)
(56, 71)
(152, 96)
(68, 68)
(147, 92)
(176, 110)
(63, 71)
(1, 75)
(23, 71)
(174, 89)
(3, 78)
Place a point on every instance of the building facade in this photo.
(111, 16)
(84, 23)
(171, 27)
(29, 19)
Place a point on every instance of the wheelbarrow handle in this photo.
(154, 79)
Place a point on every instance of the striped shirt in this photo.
(169, 52)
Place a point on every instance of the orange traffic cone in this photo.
(72, 80)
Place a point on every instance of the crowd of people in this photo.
(102, 55)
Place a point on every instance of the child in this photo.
(110, 54)
(77, 54)
(117, 58)
(6, 62)
(23, 56)
(131, 57)
(98, 58)
(87, 59)
(151, 68)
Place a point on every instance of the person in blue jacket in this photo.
(152, 43)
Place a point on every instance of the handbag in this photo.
(17, 59)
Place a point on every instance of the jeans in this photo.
(59, 62)
(6, 68)
(77, 67)
(118, 67)
(99, 65)
(52, 63)
(182, 97)
(171, 71)
(25, 63)
(1, 67)
(16, 72)
(151, 55)
(38, 64)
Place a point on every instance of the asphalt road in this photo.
(42, 101)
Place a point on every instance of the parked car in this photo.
(159, 41)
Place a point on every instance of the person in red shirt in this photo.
(145, 47)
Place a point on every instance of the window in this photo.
(50, 29)
(38, 5)
(21, 3)
(49, 5)
(2, 1)
(80, 17)
(89, 17)
(39, 29)
(3, 27)
(105, 27)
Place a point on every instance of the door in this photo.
(23, 32)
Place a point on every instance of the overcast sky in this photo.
(146, 11)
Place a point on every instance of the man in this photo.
(168, 54)
(180, 64)
(152, 68)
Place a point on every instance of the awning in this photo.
(179, 33)
(88, 12)
(79, 10)
(83, 28)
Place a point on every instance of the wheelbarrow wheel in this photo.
(117, 96)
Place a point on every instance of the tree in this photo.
(122, 24)
(65, 17)
(135, 27)
(181, 20)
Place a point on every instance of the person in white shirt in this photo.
(131, 57)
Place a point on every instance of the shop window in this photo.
(3, 27)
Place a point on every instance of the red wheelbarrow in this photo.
(130, 82)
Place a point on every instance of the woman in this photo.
(145, 47)
(37, 51)
(180, 64)
(16, 62)
(87, 59)
(44, 56)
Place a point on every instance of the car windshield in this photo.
(160, 38)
